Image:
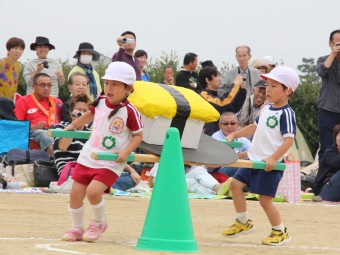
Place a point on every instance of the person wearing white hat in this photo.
(270, 61)
(116, 127)
(328, 68)
(274, 132)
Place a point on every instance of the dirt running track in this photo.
(34, 223)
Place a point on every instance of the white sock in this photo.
(242, 217)
(99, 211)
(77, 216)
(279, 227)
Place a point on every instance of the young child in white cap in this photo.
(116, 128)
(274, 132)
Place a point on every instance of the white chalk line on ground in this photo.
(133, 243)
(295, 247)
(49, 247)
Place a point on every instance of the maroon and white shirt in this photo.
(110, 135)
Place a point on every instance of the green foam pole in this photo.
(233, 144)
(168, 225)
(112, 156)
(262, 165)
(69, 134)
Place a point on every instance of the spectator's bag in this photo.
(290, 185)
(20, 166)
(44, 173)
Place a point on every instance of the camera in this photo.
(45, 63)
(127, 40)
(77, 114)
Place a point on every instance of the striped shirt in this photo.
(73, 151)
(273, 125)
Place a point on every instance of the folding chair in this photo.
(13, 134)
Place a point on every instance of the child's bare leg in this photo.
(271, 210)
(77, 195)
(239, 199)
(95, 192)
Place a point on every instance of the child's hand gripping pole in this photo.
(233, 144)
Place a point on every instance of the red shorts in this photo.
(85, 175)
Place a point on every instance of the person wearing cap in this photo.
(261, 65)
(253, 105)
(42, 64)
(127, 44)
(328, 68)
(85, 55)
(231, 101)
(270, 61)
(116, 127)
(10, 68)
(274, 132)
(250, 75)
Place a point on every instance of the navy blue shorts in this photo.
(260, 181)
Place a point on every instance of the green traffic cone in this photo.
(168, 225)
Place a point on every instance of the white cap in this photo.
(285, 75)
(120, 71)
(269, 60)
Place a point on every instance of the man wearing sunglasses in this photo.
(228, 124)
(41, 109)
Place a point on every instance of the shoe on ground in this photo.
(94, 231)
(74, 234)
(277, 238)
(239, 229)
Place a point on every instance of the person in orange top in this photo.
(10, 68)
(41, 109)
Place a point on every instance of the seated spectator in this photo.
(85, 55)
(198, 180)
(228, 124)
(10, 68)
(261, 65)
(327, 182)
(231, 101)
(187, 76)
(42, 64)
(168, 75)
(253, 105)
(142, 57)
(77, 85)
(129, 178)
(68, 149)
(41, 109)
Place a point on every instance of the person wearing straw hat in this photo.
(85, 55)
(42, 64)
